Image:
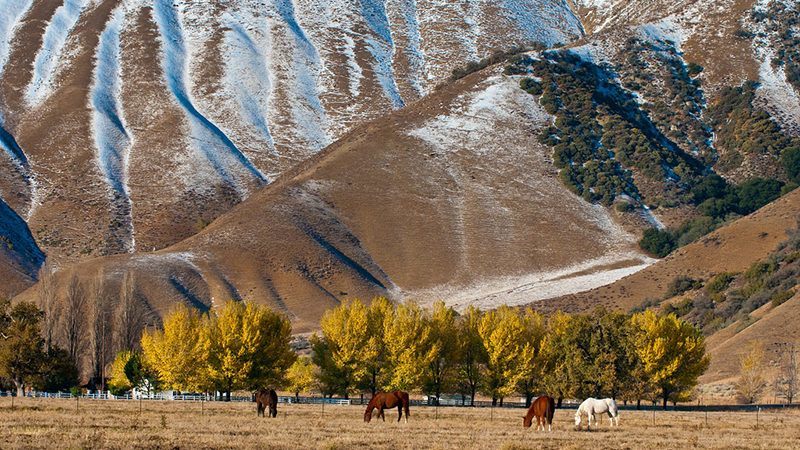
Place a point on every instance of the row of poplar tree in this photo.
(386, 346)
(507, 350)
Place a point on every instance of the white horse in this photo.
(592, 406)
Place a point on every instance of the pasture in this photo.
(161, 424)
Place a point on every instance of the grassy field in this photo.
(118, 424)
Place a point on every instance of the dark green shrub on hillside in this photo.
(719, 283)
(791, 163)
(694, 69)
(711, 186)
(657, 242)
(757, 192)
(681, 284)
(531, 86)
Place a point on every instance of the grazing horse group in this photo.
(387, 400)
(542, 408)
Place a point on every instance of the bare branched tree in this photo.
(48, 302)
(131, 315)
(787, 383)
(102, 331)
(75, 326)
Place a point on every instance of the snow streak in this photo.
(55, 38)
(108, 125)
(307, 111)
(374, 12)
(248, 76)
(216, 147)
(11, 11)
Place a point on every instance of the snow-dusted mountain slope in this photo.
(428, 202)
(131, 124)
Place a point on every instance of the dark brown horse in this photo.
(543, 409)
(387, 400)
(266, 399)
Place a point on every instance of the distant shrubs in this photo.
(681, 284)
(496, 57)
(531, 86)
(659, 243)
(729, 297)
(719, 202)
(790, 158)
(719, 283)
(741, 127)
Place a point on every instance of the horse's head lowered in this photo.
(578, 418)
(368, 412)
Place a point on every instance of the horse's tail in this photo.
(406, 401)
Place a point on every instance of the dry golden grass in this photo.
(109, 424)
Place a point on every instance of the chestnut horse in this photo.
(543, 409)
(387, 400)
(266, 399)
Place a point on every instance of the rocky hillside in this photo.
(130, 125)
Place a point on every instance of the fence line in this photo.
(567, 404)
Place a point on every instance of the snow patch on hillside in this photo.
(230, 164)
(247, 75)
(382, 48)
(11, 11)
(775, 93)
(108, 124)
(516, 291)
(46, 65)
(413, 50)
(666, 30)
(295, 57)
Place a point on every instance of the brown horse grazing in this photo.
(543, 409)
(387, 400)
(266, 399)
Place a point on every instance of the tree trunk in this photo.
(20, 388)
(558, 402)
(638, 403)
(528, 399)
(494, 401)
(228, 394)
(665, 397)
(501, 402)
(472, 396)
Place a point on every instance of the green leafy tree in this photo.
(563, 361)
(21, 344)
(657, 242)
(58, 372)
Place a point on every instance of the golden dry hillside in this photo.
(732, 248)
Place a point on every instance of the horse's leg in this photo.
(380, 413)
(399, 412)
